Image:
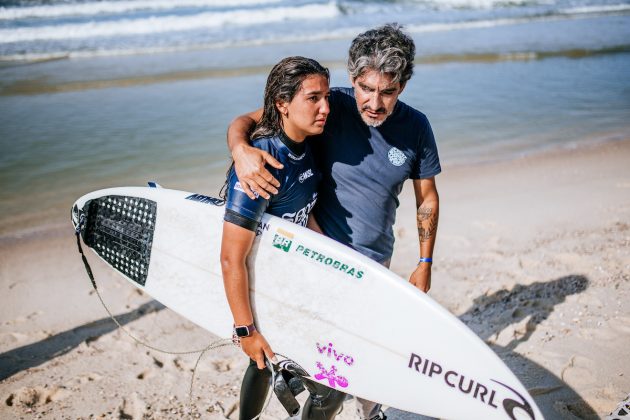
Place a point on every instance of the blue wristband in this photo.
(426, 260)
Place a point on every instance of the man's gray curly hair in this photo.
(386, 49)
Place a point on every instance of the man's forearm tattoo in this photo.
(427, 223)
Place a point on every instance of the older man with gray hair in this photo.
(372, 143)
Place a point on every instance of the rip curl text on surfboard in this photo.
(484, 393)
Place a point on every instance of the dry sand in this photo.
(533, 254)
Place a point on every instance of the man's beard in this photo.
(371, 122)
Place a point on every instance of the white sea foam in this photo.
(596, 9)
(482, 4)
(489, 23)
(489, 4)
(477, 24)
(116, 7)
(336, 34)
(342, 33)
(154, 25)
(209, 20)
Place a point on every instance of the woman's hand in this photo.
(256, 347)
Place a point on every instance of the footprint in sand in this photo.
(28, 397)
(578, 373)
(512, 332)
(222, 365)
(133, 408)
(14, 338)
(145, 374)
(88, 377)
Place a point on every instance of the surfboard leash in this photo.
(215, 344)
(212, 346)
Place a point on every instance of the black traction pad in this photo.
(120, 230)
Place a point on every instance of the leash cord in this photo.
(214, 345)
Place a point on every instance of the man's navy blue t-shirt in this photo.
(363, 171)
(296, 196)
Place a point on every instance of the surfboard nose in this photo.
(75, 216)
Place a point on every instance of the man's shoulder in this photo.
(342, 90)
(342, 106)
(408, 112)
(342, 94)
(413, 120)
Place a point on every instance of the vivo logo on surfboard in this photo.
(330, 351)
(331, 375)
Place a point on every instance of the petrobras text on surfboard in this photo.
(283, 240)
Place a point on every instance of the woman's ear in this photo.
(282, 107)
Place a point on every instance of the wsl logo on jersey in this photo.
(396, 156)
(306, 175)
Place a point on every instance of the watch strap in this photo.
(244, 330)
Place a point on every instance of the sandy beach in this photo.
(533, 254)
(529, 104)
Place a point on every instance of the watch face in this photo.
(242, 331)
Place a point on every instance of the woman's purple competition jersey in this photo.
(296, 196)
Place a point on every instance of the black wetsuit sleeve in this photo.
(239, 208)
(240, 220)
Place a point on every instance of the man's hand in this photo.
(421, 277)
(256, 347)
(249, 164)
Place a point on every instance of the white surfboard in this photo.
(347, 321)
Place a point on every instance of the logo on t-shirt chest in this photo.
(396, 156)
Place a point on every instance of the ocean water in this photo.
(106, 93)
(79, 28)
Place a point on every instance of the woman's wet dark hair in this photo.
(283, 83)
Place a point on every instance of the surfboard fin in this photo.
(153, 184)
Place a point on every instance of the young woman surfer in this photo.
(295, 107)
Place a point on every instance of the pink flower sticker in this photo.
(331, 375)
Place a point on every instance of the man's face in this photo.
(376, 96)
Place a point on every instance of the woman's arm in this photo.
(249, 162)
(235, 247)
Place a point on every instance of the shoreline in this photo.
(533, 255)
(57, 226)
(38, 87)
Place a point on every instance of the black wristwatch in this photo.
(244, 330)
